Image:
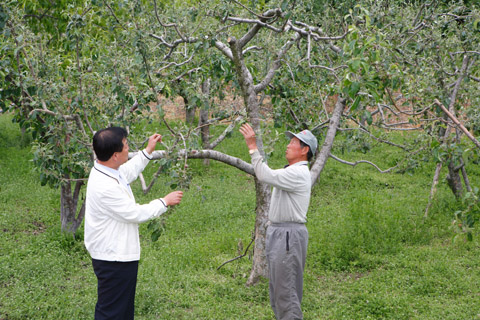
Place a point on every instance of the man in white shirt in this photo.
(287, 236)
(112, 217)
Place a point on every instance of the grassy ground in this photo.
(371, 253)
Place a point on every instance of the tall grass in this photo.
(371, 254)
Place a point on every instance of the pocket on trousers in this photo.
(288, 241)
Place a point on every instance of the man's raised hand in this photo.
(247, 131)
(152, 142)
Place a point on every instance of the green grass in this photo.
(371, 253)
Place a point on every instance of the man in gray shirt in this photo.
(287, 236)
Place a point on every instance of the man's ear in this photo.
(305, 150)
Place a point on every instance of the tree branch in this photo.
(463, 52)
(463, 73)
(49, 112)
(113, 14)
(433, 189)
(455, 120)
(224, 49)
(249, 35)
(322, 157)
(174, 44)
(174, 64)
(353, 164)
(313, 32)
(417, 17)
(364, 129)
(246, 8)
(186, 73)
(167, 25)
(275, 65)
(225, 133)
(258, 25)
(272, 13)
(206, 154)
(85, 115)
(240, 256)
(251, 48)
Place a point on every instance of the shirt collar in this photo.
(299, 163)
(107, 170)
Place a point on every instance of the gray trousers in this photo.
(286, 248)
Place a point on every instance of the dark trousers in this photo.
(116, 289)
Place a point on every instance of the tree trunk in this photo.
(466, 180)
(189, 112)
(454, 180)
(262, 190)
(203, 118)
(259, 261)
(452, 177)
(68, 207)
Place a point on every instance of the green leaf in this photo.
(155, 235)
(354, 88)
(287, 17)
(160, 111)
(354, 65)
(355, 104)
(368, 117)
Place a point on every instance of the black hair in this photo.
(108, 141)
(309, 154)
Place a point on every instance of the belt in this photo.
(287, 224)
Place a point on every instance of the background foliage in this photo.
(371, 253)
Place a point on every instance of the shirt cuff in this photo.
(146, 154)
(163, 202)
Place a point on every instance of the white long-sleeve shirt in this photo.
(291, 189)
(111, 213)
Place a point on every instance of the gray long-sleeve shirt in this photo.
(291, 189)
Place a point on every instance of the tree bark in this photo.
(245, 79)
(433, 189)
(466, 180)
(189, 112)
(203, 118)
(259, 263)
(458, 123)
(207, 154)
(324, 153)
(454, 180)
(68, 207)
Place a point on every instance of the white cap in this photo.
(305, 136)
